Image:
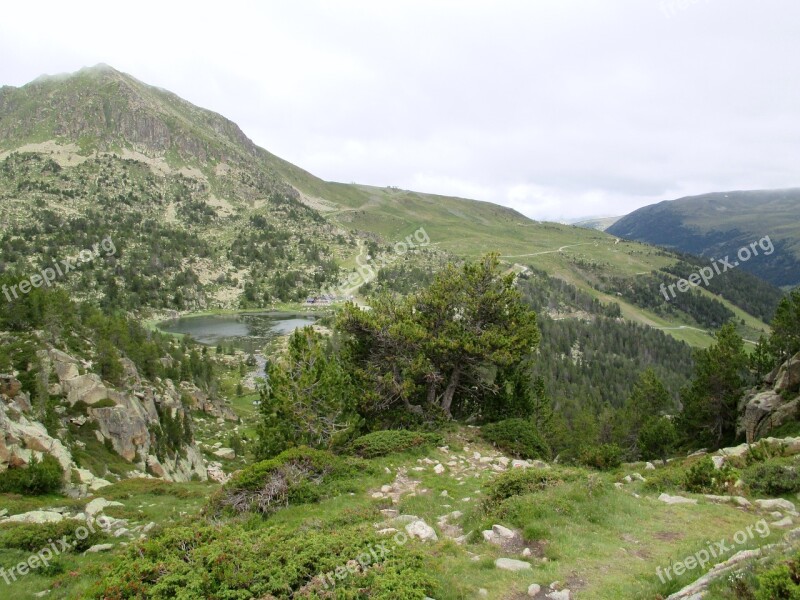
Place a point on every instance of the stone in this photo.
(765, 411)
(638, 477)
(510, 564)
(718, 461)
(783, 523)
(405, 519)
(36, 516)
(504, 532)
(676, 499)
(519, 464)
(420, 529)
(99, 548)
(527, 552)
(534, 589)
(776, 504)
(739, 500)
(386, 489)
(98, 505)
(439, 469)
(225, 453)
(559, 595)
(788, 378)
(649, 467)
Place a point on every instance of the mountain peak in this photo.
(101, 108)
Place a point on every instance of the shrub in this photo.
(296, 476)
(704, 478)
(517, 437)
(32, 537)
(391, 441)
(780, 582)
(518, 482)
(770, 479)
(236, 560)
(604, 457)
(38, 478)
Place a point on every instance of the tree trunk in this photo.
(447, 399)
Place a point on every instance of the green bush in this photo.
(517, 437)
(296, 476)
(604, 457)
(238, 560)
(704, 478)
(771, 479)
(32, 537)
(780, 582)
(38, 478)
(518, 482)
(391, 441)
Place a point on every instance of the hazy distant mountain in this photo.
(599, 223)
(720, 224)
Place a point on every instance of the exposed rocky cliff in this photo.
(128, 420)
(767, 409)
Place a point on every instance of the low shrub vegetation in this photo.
(392, 441)
(517, 437)
(296, 476)
(32, 537)
(38, 478)
(234, 560)
(604, 457)
(518, 482)
(771, 479)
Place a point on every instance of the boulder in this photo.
(676, 499)
(36, 516)
(87, 388)
(776, 504)
(99, 548)
(98, 505)
(420, 529)
(788, 377)
(510, 564)
(9, 386)
(764, 412)
(226, 453)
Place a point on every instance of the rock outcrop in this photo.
(765, 410)
(128, 419)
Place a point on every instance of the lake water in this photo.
(247, 331)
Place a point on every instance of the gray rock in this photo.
(420, 529)
(510, 564)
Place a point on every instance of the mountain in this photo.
(720, 224)
(599, 223)
(201, 218)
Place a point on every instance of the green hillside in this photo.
(251, 229)
(720, 224)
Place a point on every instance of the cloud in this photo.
(558, 108)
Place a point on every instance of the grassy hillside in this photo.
(266, 231)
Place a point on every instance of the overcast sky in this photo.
(558, 108)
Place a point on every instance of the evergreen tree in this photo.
(710, 402)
